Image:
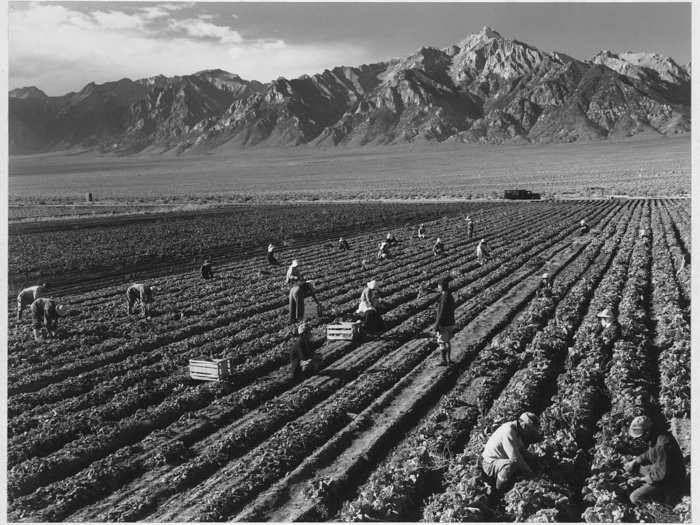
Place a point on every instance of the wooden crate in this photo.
(210, 369)
(342, 331)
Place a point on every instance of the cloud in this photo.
(61, 48)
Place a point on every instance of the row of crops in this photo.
(105, 425)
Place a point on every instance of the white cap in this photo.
(545, 275)
(295, 263)
(372, 284)
(437, 240)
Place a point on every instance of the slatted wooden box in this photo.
(210, 369)
(343, 331)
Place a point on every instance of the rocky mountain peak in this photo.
(27, 93)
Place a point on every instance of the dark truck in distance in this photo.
(520, 195)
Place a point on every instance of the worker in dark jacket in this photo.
(45, 314)
(206, 270)
(271, 255)
(343, 245)
(544, 288)
(660, 467)
(298, 293)
(139, 293)
(438, 247)
(28, 295)
(445, 320)
(383, 252)
(302, 350)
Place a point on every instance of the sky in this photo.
(61, 46)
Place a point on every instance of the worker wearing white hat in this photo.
(139, 293)
(661, 467)
(438, 247)
(45, 314)
(483, 251)
(271, 260)
(544, 289)
(505, 454)
(293, 273)
(368, 309)
(583, 227)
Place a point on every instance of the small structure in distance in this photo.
(520, 195)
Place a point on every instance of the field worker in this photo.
(271, 255)
(27, 296)
(293, 273)
(343, 244)
(297, 295)
(445, 321)
(608, 328)
(544, 289)
(299, 350)
(421, 231)
(505, 454)
(368, 309)
(390, 239)
(583, 227)
(141, 293)
(470, 227)
(363, 264)
(45, 314)
(383, 252)
(438, 247)
(660, 467)
(483, 252)
(207, 272)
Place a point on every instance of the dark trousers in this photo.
(660, 493)
(296, 304)
(271, 259)
(207, 273)
(373, 322)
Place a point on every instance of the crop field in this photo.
(104, 423)
(639, 167)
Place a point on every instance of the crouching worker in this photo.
(302, 350)
(367, 310)
(505, 455)
(27, 296)
(660, 467)
(343, 244)
(544, 288)
(45, 314)
(206, 270)
(139, 293)
(438, 247)
(271, 255)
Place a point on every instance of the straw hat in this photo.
(295, 263)
(372, 284)
(639, 426)
(528, 421)
(302, 328)
(545, 275)
(62, 310)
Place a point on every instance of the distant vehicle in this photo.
(520, 195)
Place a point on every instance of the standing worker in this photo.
(343, 245)
(297, 295)
(483, 252)
(445, 321)
(207, 272)
(141, 293)
(661, 466)
(368, 309)
(27, 296)
(271, 256)
(505, 454)
(438, 247)
(470, 228)
(583, 227)
(45, 314)
(421, 231)
(293, 273)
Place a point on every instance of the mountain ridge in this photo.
(484, 89)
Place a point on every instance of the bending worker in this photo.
(421, 231)
(141, 293)
(45, 314)
(367, 310)
(271, 256)
(27, 296)
(438, 247)
(297, 295)
(544, 289)
(505, 454)
(483, 252)
(383, 252)
(293, 273)
(660, 467)
(583, 227)
(343, 244)
(302, 350)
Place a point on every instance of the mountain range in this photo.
(485, 89)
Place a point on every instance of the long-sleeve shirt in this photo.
(445, 315)
(293, 274)
(30, 294)
(482, 250)
(662, 463)
(506, 443)
(142, 290)
(367, 301)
